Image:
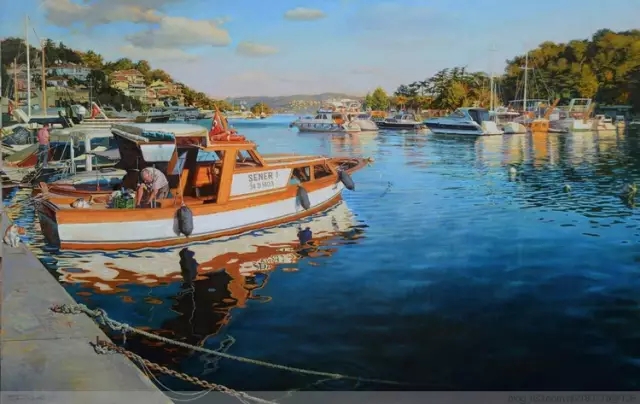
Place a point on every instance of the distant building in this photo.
(57, 81)
(131, 82)
(70, 70)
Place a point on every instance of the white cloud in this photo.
(155, 54)
(255, 49)
(304, 14)
(174, 32)
(65, 13)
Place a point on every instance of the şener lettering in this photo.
(262, 180)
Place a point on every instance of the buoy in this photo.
(185, 220)
(303, 198)
(513, 171)
(567, 188)
(346, 180)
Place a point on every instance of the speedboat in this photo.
(465, 121)
(402, 121)
(326, 122)
(363, 120)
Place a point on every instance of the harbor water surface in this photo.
(443, 269)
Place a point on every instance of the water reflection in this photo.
(262, 250)
(458, 262)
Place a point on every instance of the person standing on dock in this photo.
(154, 183)
(43, 146)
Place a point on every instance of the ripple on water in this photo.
(448, 257)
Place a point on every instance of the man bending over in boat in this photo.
(154, 185)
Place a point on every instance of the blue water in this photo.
(455, 273)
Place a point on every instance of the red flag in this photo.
(216, 126)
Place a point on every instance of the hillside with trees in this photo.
(605, 68)
(14, 49)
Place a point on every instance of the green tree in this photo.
(143, 67)
(92, 60)
(158, 74)
(379, 100)
(260, 107)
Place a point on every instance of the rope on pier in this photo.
(104, 347)
(101, 317)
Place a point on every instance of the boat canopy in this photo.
(154, 132)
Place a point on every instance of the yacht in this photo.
(510, 121)
(575, 117)
(326, 121)
(402, 121)
(155, 115)
(465, 121)
(363, 120)
(184, 113)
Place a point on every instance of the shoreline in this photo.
(47, 356)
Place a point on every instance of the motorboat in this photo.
(154, 115)
(363, 120)
(224, 185)
(575, 117)
(326, 121)
(465, 121)
(402, 121)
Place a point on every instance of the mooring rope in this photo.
(104, 347)
(101, 317)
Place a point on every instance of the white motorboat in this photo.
(326, 122)
(575, 117)
(465, 121)
(154, 115)
(363, 120)
(406, 121)
(509, 121)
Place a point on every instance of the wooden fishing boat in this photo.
(227, 185)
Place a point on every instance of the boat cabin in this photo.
(334, 117)
(478, 115)
(203, 171)
(403, 117)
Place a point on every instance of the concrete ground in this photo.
(46, 357)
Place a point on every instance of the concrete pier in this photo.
(47, 357)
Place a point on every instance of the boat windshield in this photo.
(458, 113)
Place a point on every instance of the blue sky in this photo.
(250, 47)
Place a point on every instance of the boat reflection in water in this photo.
(157, 284)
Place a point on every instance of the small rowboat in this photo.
(83, 185)
(228, 187)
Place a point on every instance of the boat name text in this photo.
(247, 183)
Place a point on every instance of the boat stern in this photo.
(47, 215)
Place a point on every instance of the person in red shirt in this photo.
(43, 145)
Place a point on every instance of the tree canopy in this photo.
(14, 48)
(605, 68)
(260, 107)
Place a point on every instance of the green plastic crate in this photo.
(122, 203)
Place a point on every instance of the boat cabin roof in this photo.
(182, 135)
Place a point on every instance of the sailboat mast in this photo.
(491, 83)
(1, 103)
(15, 82)
(526, 79)
(26, 43)
(44, 81)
